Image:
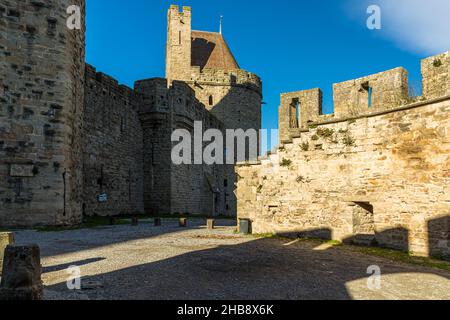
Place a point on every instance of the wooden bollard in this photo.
(21, 279)
(6, 239)
(183, 222)
(211, 224)
(157, 222)
(112, 221)
(134, 221)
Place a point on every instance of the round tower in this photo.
(204, 61)
(42, 49)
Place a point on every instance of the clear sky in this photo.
(291, 44)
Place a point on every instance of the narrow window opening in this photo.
(211, 100)
(179, 38)
(295, 113)
(367, 90)
(225, 183)
(122, 125)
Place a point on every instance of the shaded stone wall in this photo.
(112, 147)
(156, 125)
(379, 177)
(170, 188)
(41, 95)
(233, 96)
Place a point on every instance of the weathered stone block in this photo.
(210, 224)
(22, 270)
(21, 170)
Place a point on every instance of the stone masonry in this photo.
(204, 61)
(372, 173)
(74, 142)
(41, 108)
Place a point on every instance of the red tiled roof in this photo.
(209, 50)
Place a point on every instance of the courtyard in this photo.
(169, 262)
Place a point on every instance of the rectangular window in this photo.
(295, 113)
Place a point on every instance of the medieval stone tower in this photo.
(41, 106)
(204, 62)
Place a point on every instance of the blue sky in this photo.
(292, 45)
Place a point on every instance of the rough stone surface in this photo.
(41, 108)
(21, 277)
(233, 96)
(170, 188)
(74, 142)
(112, 147)
(167, 263)
(378, 177)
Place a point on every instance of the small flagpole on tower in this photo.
(220, 26)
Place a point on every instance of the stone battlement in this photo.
(108, 83)
(237, 77)
(370, 94)
(379, 178)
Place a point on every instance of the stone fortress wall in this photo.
(41, 110)
(169, 188)
(204, 62)
(375, 172)
(112, 147)
(74, 142)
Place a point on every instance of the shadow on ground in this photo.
(255, 269)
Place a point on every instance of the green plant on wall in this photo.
(305, 146)
(325, 132)
(348, 140)
(286, 163)
(437, 63)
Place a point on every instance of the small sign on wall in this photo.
(102, 197)
(21, 170)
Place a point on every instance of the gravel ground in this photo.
(168, 262)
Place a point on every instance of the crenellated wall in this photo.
(436, 73)
(183, 189)
(378, 177)
(41, 110)
(371, 94)
(74, 142)
(112, 147)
